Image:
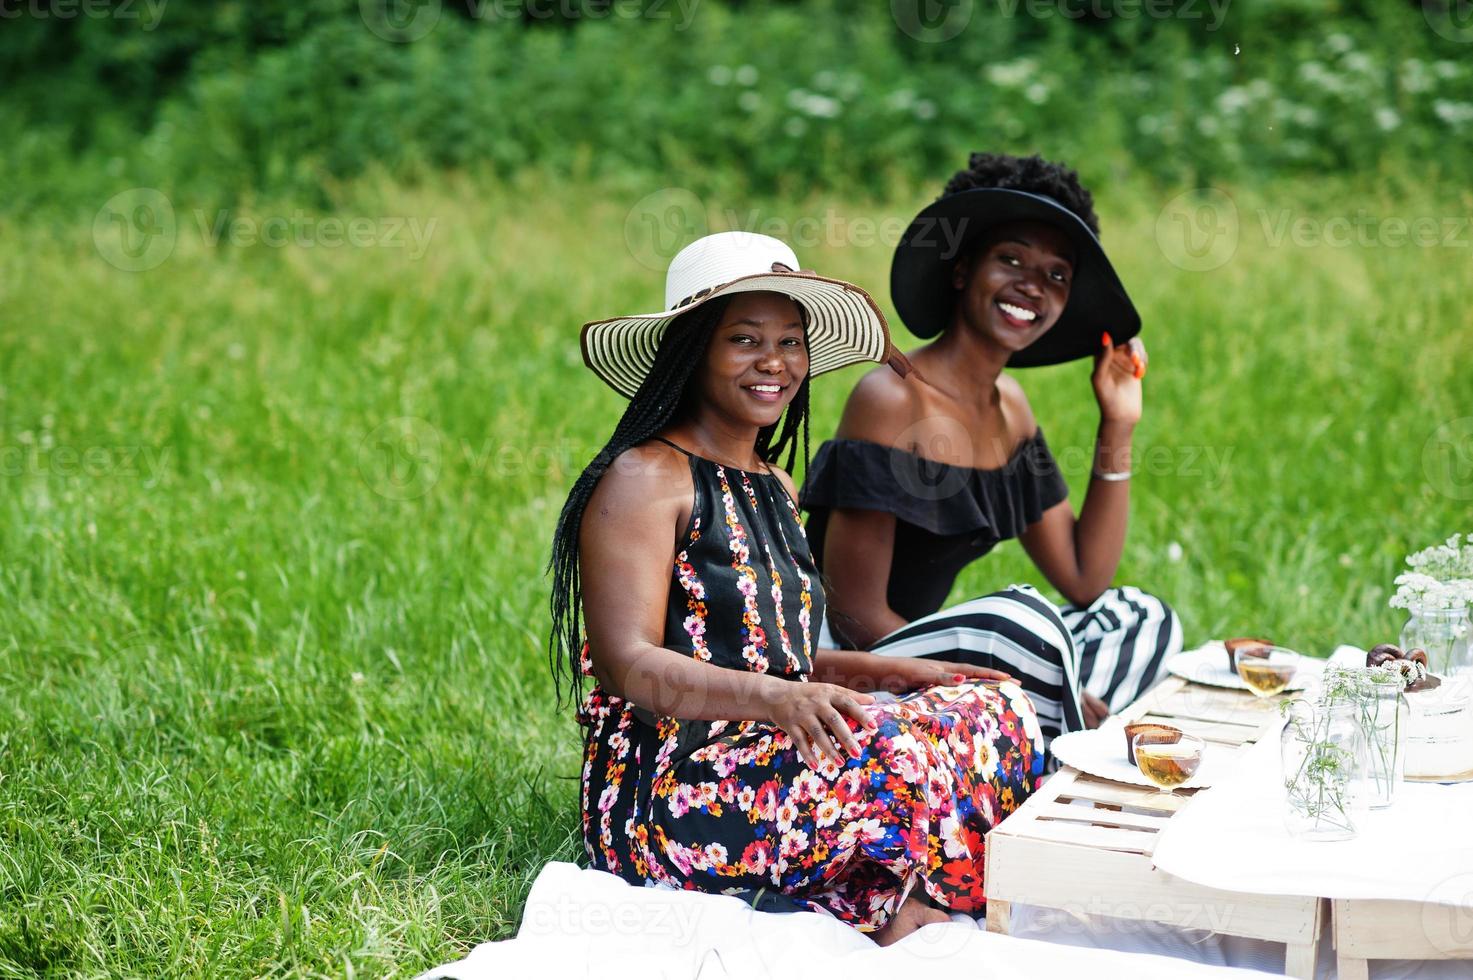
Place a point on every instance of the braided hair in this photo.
(665, 395)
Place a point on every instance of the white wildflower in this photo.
(1012, 74)
(900, 99)
(1233, 99)
(1417, 591)
(1453, 113)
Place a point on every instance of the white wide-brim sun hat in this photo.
(844, 325)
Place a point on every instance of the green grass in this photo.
(264, 717)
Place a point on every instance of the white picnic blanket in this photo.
(583, 923)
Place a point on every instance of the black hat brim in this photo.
(921, 273)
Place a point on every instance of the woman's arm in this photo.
(861, 670)
(1079, 557)
(627, 550)
(859, 545)
(858, 548)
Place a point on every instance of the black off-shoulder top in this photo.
(946, 516)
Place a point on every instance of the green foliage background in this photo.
(273, 519)
(224, 100)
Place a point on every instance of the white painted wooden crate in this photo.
(1083, 844)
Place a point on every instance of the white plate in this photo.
(1208, 665)
(1101, 752)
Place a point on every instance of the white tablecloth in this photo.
(1232, 836)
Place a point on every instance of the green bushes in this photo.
(276, 98)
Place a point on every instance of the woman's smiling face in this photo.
(757, 358)
(1015, 283)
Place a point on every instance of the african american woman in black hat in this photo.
(725, 751)
(928, 473)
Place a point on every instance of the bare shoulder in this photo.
(1017, 411)
(880, 408)
(648, 484)
(785, 480)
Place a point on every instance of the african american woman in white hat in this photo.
(725, 752)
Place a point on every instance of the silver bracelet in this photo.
(1111, 477)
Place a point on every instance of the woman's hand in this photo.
(1117, 379)
(1095, 710)
(902, 674)
(813, 715)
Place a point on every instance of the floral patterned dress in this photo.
(730, 806)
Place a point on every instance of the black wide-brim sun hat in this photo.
(921, 273)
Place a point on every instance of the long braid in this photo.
(652, 408)
(661, 396)
(785, 435)
(793, 426)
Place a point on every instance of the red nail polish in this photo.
(1105, 338)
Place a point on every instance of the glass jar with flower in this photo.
(1437, 620)
(1385, 718)
(1436, 593)
(1324, 753)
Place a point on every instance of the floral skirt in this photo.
(730, 807)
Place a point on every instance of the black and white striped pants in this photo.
(1116, 649)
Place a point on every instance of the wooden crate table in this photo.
(1083, 844)
(1367, 929)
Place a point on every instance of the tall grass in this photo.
(274, 522)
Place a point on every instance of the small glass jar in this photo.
(1443, 633)
(1385, 721)
(1323, 751)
